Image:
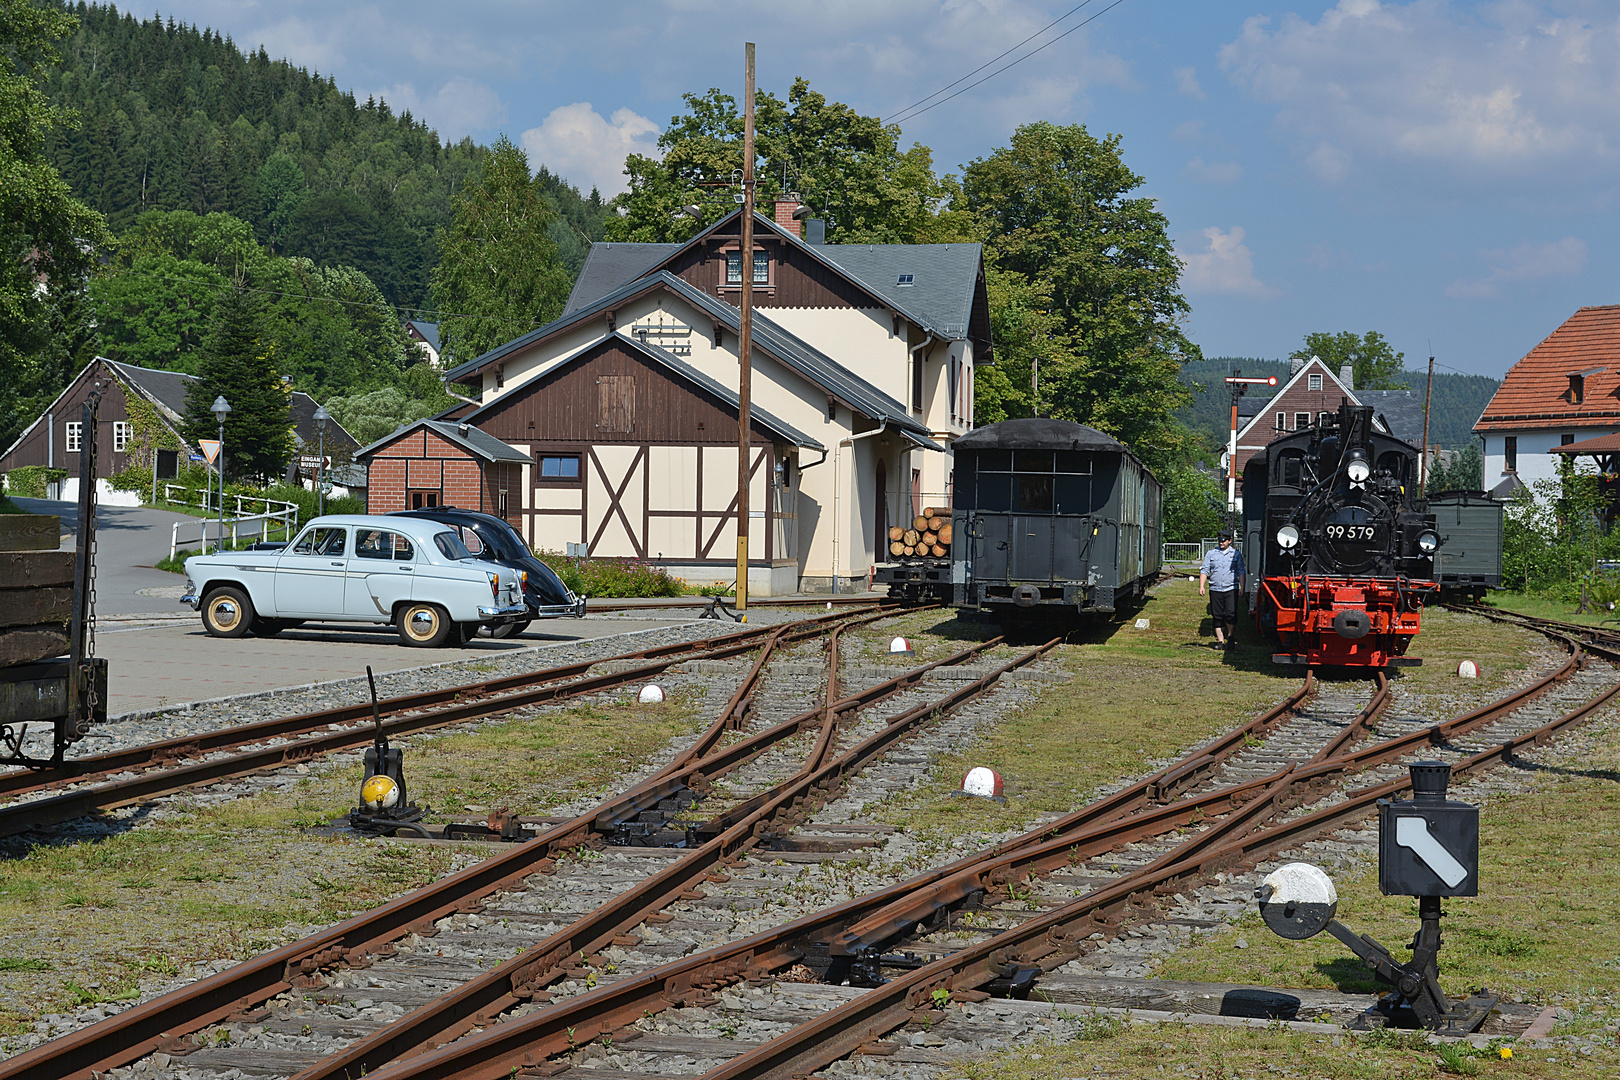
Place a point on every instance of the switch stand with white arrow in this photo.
(1428, 847)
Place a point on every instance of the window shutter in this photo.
(616, 398)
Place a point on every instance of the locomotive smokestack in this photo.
(1347, 375)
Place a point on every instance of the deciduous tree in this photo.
(498, 275)
(847, 167)
(47, 237)
(1375, 364)
(1056, 207)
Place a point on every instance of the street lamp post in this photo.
(219, 409)
(321, 417)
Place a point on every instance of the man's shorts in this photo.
(1223, 605)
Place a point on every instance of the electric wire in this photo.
(992, 60)
(910, 115)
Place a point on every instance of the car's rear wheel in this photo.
(227, 612)
(424, 626)
(511, 629)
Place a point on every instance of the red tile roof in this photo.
(1601, 444)
(1536, 391)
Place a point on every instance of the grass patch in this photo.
(236, 878)
(1542, 930)
(1502, 653)
(1126, 706)
(1542, 607)
(1197, 1052)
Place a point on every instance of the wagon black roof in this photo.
(1038, 433)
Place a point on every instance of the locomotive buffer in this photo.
(1428, 847)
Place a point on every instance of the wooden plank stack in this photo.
(36, 589)
(928, 537)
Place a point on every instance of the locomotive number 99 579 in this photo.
(1356, 533)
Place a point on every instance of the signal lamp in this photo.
(1427, 542)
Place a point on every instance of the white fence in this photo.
(241, 523)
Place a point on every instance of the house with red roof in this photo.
(1566, 391)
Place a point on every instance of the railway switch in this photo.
(385, 805)
(1428, 847)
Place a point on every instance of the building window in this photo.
(1566, 438)
(559, 467)
(1321, 419)
(1302, 420)
(123, 431)
(500, 503)
(1510, 453)
(421, 500)
(1314, 381)
(762, 268)
(75, 429)
(1282, 421)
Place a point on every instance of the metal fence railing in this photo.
(1180, 553)
(249, 525)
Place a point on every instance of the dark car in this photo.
(488, 537)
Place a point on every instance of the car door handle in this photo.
(337, 564)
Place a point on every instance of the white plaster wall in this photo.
(861, 339)
(1536, 461)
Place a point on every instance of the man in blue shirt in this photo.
(1222, 579)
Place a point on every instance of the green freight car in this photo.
(1470, 557)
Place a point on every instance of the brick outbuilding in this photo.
(444, 463)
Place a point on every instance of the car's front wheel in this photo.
(424, 626)
(507, 630)
(227, 612)
(269, 627)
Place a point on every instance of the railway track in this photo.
(52, 796)
(594, 987)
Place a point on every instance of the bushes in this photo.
(1553, 538)
(30, 481)
(1194, 505)
(612, 577)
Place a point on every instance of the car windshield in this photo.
(451, 546)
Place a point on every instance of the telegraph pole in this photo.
(744, 340)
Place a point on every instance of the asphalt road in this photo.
(130, 540)
(153, 664)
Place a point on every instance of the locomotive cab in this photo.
(1341, 542)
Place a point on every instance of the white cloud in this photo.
(1526, 262)
(1493, 94)
(1212, 172)
(1226, 267)
(1187, 82)
(459, 107)
(576, 142)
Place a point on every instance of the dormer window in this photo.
(905, 280)
(1577, 388)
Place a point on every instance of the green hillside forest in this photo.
(1457, 403)
(172, 117)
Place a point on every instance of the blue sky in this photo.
(1443, 173)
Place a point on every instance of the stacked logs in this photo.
(929, 535)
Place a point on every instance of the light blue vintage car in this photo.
(412, 574)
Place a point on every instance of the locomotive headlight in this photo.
(1357, 468)
(1427, 541)
(1287, 537)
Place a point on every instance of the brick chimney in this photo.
(786, 203)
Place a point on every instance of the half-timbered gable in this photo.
(635, 455)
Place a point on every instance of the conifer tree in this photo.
(236, 365)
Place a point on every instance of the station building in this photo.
(626, 407)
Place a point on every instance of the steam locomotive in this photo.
(1339, 542)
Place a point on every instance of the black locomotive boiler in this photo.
(1339, 543)
(1050, 518)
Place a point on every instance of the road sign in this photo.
(210, 449)
(194, 457)
(1428, 845)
